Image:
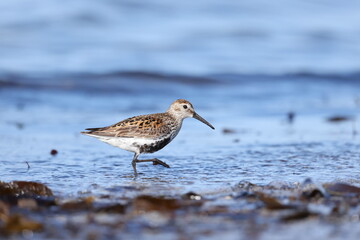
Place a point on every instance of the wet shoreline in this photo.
(247, 178)
(249, 211)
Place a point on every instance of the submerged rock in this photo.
(228, 131)
(339, 118)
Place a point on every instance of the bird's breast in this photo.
(154, 146)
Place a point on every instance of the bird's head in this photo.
(184, 109)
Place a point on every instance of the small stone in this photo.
(53, 152)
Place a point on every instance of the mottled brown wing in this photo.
(145, 126)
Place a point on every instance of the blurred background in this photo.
(279, 80)
(186, 37)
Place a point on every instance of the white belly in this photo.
(128, 144)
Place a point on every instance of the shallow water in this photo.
(253, 140)
(279, 81)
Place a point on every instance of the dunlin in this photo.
(147, 133)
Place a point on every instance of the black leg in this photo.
(133, 163)
(155, 161)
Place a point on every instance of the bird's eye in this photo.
(184, 106)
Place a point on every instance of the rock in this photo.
(17, 224)
(112, 209)
(315, 194)
(78, 205)
(23, 188)
(228, 131)
(339, 118)
(4, 210)
(342, 189)
(27, 203)
(297, 215)
(53, 152)
(147, 203)
(191, 196)
(272, 203)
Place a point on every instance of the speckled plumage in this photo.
(144, 126)
(147, 133)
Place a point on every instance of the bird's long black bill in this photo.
(197, 116)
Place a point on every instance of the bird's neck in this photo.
(175, 116)
(176, 119)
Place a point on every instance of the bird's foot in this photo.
(157, 161)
